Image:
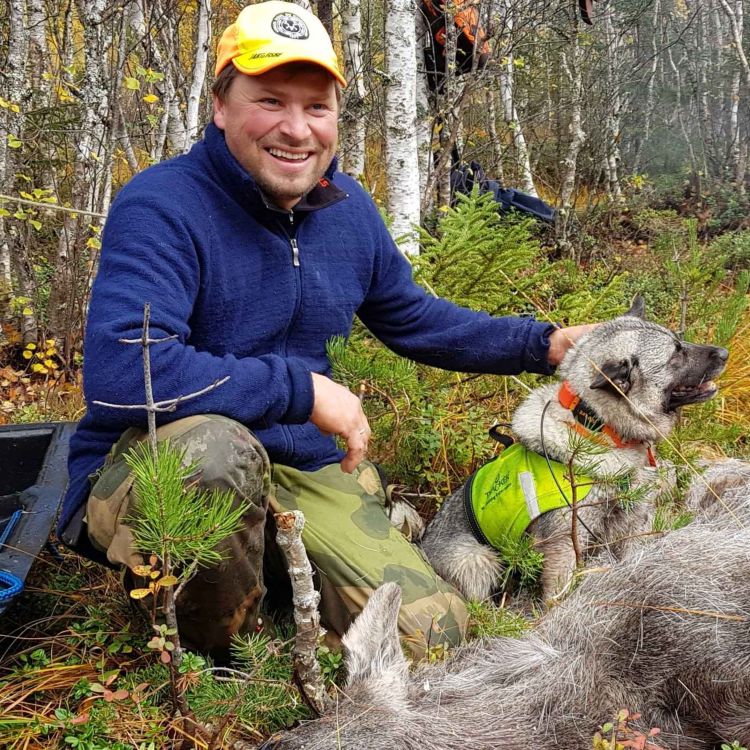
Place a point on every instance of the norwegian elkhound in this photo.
(586, 442)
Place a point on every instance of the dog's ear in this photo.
(617, 372)
(637, 308)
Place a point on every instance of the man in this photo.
(253, 252)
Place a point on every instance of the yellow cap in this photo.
(274, 33)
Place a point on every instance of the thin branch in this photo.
(51, 206)
(169, 404)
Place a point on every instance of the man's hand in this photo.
(337, 411)
(561, 339)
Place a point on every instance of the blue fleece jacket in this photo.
(255, 293)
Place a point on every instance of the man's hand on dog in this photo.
(561, 339)
(337, 411)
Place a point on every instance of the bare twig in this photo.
(306, 617)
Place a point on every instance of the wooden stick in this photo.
(305, 598)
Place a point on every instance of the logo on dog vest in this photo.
(290, 25)
(506, 494)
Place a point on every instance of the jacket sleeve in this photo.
(149, 255)
(436, 332)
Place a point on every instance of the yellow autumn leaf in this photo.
(31, 346)
(150, 98)
(27, 311)
(26, 354)
(49, 342)
(50, 352)
(49, 363)
(139, 593)
(154, 574)
(167, 581)
(142, 570)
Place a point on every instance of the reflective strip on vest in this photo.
(515, 488)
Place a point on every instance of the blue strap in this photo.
(12, 521)
(13, 586)
(10, 585)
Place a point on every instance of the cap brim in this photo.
(277, 62)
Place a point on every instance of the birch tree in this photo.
(353, 122)
(571, 65)
(507, 96)
(203, 37)
(402, 164)
(11, 125)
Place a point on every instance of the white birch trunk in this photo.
(643, 136)
(736, 25)
(402, 164)
(497, 146)
(571, 64)
(735, 15)
(203, 42)
(11, 123)
(614, 104)
(507, 85)
(353, 126)
(424, 118)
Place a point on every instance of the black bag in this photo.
(464, 178)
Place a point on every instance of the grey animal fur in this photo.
(647, 362)
(665, 632)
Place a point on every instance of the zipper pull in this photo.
(291, 218)
(295, 253)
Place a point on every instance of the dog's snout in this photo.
(719, 353)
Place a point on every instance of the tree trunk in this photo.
(402, 164)
(353, 128)
(571, 64)
(203, 40)
(507, 94)
(11, 123)
(614, 104)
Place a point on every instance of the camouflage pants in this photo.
(351, 544)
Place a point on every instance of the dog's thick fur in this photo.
(663, 632)
(633, 375)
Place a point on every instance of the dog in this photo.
(580, 442)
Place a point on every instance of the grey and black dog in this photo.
(623, 384)
(663, 632)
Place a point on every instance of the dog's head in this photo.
(635, 374)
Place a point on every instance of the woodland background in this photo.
(636, 128)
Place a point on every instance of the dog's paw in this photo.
(406, 519)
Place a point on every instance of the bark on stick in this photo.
(305, 598)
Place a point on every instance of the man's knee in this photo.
(226, 455)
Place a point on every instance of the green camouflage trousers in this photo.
(348, 536)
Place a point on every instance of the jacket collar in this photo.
(240, 182)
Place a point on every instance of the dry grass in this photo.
(734, 407)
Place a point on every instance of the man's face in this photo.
(281, 126)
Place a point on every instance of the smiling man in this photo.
(254, 251)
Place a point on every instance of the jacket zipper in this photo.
(288, 438)
(295, 252)
(293, 241)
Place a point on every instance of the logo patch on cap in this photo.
(290, 26)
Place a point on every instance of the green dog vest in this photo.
(506, 494)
